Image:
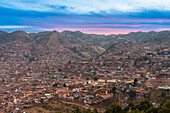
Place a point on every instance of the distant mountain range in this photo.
(76, 43)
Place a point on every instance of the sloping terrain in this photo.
(51, 42)
(161, 38)
(75, 44)
(55, 106)
(105, 41)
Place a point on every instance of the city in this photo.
(135, 70)
(85, 56)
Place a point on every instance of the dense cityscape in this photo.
(85, 56)
(125, 72)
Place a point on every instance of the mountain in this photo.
(138, 36)
(14, 36)
(74, 44)
(55, 40)
(142, 38)
(105, 41)
(51, 42)
(97, 40)
(160, 38)
(3, 35)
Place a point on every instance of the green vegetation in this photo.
(115, 108)
(145, 106)
(135, 81)
(114, 90)
(74, 49)
(132, 93)
(95, 78)
(77, 110)
(64, 85)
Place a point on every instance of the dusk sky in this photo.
(88, 16)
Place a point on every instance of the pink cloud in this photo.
(103, 29)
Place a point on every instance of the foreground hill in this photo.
(57, 106)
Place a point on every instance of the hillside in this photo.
(160, 38)
(50, 42)
(150, 38)
(55, 106)
(145, 106)
(75, 45)
(105, 41)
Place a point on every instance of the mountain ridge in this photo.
(78, 43)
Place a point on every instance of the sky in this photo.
(88, 16)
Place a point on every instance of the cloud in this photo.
(13, 27)
(87, 15)
(87, 6)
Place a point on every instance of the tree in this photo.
(167, 104)
(136, 111)
(77, 110)
(138, 107)
(132, 93)
(152, 110)
(55, 85)
(131, 104)
(95, 78)
(164, 110)
(69, 62)
(135, 81)
(145, 104)
(163, 102)
(126, 109)
(64, 85)
(94, 73)
(41, 100)
(145, 107)
(115, 108)
(95, 110)
(129, 57)
(114, 90)
(89, 111)
(163, 94)
(148, 102)
(59, 70)
(141, 75)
